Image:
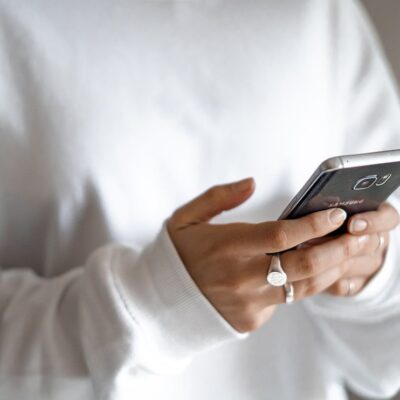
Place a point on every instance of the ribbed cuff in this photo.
(168, 308)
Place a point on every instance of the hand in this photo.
(356, 255)
(228, 261)
(360, 269)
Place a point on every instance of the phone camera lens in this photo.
(383, 179)
(366, 182)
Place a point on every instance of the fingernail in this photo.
(358, 225)
(337, 216)
(244, 185)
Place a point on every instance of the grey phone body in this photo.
(356, 183)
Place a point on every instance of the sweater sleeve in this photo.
(362, 333)
(123, 315)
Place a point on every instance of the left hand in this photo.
(352, 263)
(374, 226)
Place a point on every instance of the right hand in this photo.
(228, 262)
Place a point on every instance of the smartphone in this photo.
(355, 183)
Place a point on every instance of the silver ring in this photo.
(350, 287)
(289, 293)
(276, 275)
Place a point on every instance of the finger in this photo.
(376, 243)
(306, 287)
(308, 262)
(212, 202)
(347, 287)
(316, 284)
(385, 218)
(362, 266)
(254, 273)
(282, 235)
(359, 268)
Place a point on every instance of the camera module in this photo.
(366, 182)
(383, 179)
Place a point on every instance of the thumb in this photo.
(212, 202)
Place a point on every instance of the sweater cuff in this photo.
(371, 298)
(175, 319)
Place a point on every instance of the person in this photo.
(114, 283)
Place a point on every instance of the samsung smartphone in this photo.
(356, 183)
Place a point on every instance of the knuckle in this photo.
(309, 262)
(315, 223)
(371, 227)
(278, 237)
(346, 248)
(351, 244)
(314, 260)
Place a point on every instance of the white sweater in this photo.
(114, 113)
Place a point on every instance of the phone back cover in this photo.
(335, 189)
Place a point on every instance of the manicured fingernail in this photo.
(337, 216)
(358, 225)
(244, 185)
